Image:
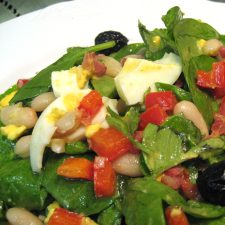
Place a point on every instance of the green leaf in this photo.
(157, 42)
(128, 50)
(187, 33)
(75, 195)
(78, 147)
(9, 91)
(42, 81)
(110, 216)
(180, 93)
(20, 187)
(2, 213)
(164, 149)
(184, 128)
(6, 149)
(105, 86)
(220, 221)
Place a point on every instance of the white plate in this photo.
(31, 42)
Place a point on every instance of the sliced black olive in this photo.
(116, 36)
(211, 183)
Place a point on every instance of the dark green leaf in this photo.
(105, 86)
(164, 149)
(110, 216)
(220, 221)
(6, 149)
(42, 81)
(185, 128)
(78, 147)
(2, 213)
(180, 93)
(20, 187)
(128, 50)
(75, 195)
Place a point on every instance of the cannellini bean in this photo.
(67, 123)
(20, 216)
(18, 115)
(128, 164)
(113, 67)
(191, 112)
(22, 147)
(41, 102)
(100, 116)
(57, 145)
(211, 47)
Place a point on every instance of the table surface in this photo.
(10, 9)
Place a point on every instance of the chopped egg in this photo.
(88, 221)
(91, 130)
(5, 101)
(46, 125)
(138, 75)
(200, 44)
(12, 132)
(50, 209)
(69, 81)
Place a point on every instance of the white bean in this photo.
(77, 135)
(128, 164)
(211, 47)
(41, 102)
(22, 147)
(21, 216)
(18, 115)
(57, 145)
(191, 112)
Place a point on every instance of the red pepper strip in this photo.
(21, 82)
(154, 114)
(90, 106)
(175, 216)
(64, 217)
(214, 78)
(76, 168)
(165, 99)
(104, 177)
(110, 143)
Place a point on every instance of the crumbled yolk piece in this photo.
(55, 115)
(201, 43)
(88, 221)
(91, 130)
(5, 101)
(12, 132)
(156, 40)
(175, 212)
(51, 208)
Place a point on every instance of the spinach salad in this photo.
(118, 134)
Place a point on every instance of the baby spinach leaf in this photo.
(220, 221)
(6, 149)
(110, 216)
(128, 50)
(184, 128)
(180, 93)
(187, 33)
(42, 81)
(20, 187)
(165, 149)
(76, 195)
(105, 86)
(2, 213)
(78, 147)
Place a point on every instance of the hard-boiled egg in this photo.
(138, 75)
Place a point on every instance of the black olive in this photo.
(211, 183)
(116, 36)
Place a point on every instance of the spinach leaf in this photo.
(180, 93)
(42, 81)
(78, 147)
(6, 149)
(7, 92)
(128, 50)
(184, 128)
(20, 187)
(220, 221)
(105, 86)
(110, 216)
(76, 195)
(157, 42)
(165, 149)
(2, 213)
(187, 33)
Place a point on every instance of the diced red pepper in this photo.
(90, 106)
(76, 168)
(138, 135)
(104, 177)
(175, 216)
(154, 114)
(64, 217)
(218, 92)
(165, 99)
(110, 143)
(214, 78)
(21, 82)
